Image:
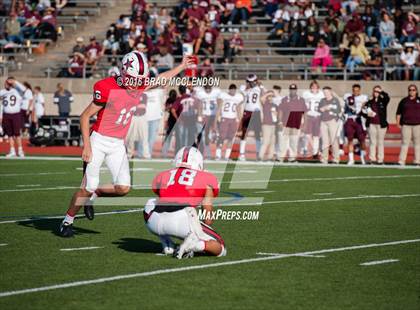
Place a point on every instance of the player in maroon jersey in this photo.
(115, 99)
(180, 192)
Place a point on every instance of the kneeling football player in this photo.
(173, 214)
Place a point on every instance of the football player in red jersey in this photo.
(115, 99)
(180, 192)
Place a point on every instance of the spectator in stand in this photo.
(111, 46)
(232, 47)
(322, 57)
(192, 33)
(358, 54)
(291, 111)
(47, 27)
(76, 66)
(243, 9)
(409, 28)
(194, 13)
(164, 60)
(269, 121)
(376, 59)
(408, 119)
(13, 30)
(206, 68)
(376, 110)
(312, 32)
(348, 7)
(39, 104)
(270, 7)
(79, 47)
(114, 70)
(416, 75)
(386, 30)
(63, 98)
(370, 23)
(93, 53)
(331, 111)
(59, 4)
(206, 44)
(355, 25)
(408, 59)
(213, 15)
(170, 121)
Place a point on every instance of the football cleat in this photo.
(350, 163)
(168, 250)
(185, 255)
(11, 155)
(187, 246)
(89, 212)
(66, 230)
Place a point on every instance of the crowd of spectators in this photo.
(352, 26)
(28, 20)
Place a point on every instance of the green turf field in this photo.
(319, 224)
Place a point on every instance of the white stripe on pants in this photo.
(376, 138)
(408, 132)
(330, 136)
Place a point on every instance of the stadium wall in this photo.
(82, 90)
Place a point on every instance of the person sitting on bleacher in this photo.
(93, 53)
(358, 54)
(243, 8)
(13, 30)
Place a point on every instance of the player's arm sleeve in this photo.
(100, 94)
(400, 107)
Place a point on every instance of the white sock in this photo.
(20, 150)
(69, 219)
(242, 146)
(351, 156)
(201, 245)
(227, 153)
(12, 150)
(218, 153)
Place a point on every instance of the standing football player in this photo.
(115, 100)
(312, 128)
(180, 192)
(228, 115)
(207, 97)
(251, 118)
(11, 119)
(355, 125)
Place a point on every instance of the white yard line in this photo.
(239, 182)
(300, 255)
(322, 194)
(380, 262)
(38, 189)
(135, 202)
(3, 244)
(241, 163)
(264, 192)
(197, 267)
(77, 216)
(28, 185)
(366, 177)
(31, 174)
(82, 249)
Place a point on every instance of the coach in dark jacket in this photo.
(408, 118)
(376, 110)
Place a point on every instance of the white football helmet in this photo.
(189, 157)
(134, 69)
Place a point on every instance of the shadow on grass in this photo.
(53, 226)
(139, 245)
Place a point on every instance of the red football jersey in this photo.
(119, 105)
(184, 186)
